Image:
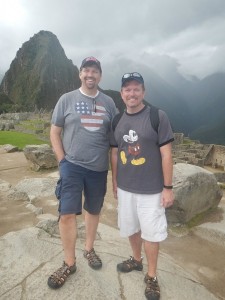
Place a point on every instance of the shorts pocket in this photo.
(153, 224)
(160, 222)
(58, 189)
(62, 160)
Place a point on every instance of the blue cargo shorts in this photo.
(73, 182)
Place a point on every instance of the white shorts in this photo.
(140, 212)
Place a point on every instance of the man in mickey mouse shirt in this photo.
(142, 170)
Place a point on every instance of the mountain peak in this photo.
(40, 73)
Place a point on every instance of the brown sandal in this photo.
(152, 291)
(58, 278)
(130, 265)
(94, 260)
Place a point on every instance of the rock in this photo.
(49, 223)
(34, 209)
(4, 186)
(15, 195)
(37, 187)
(29, 256)
(10, 148)
(220, 176)
(196, 191)
(40, 157)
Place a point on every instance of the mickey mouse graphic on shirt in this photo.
(134, 149)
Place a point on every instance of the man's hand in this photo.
(114, 189)
(167, 198)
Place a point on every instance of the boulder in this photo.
(29, 256)
(196, 191)
(40, 157)
(15, 195)
(220, 176)
(49, 223)
(37, 187)
(4, 186)
(10, 148)
(34, 209)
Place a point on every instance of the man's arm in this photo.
(56, 141)
(114, 151)
(167, 167)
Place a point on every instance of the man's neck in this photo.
(134, 110)
(91, 93)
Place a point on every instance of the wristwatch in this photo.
(168, 187)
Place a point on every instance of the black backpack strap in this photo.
(154, 117)
(116, 120)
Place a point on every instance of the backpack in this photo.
(154, 118)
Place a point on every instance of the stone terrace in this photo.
(192, 152)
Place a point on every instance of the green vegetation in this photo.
(36, 126)
(19, 139)
(202, 217)
(222, 185)
(187, 141)
(6, 105)
(33, 124)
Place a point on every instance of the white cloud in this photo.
(186, 34)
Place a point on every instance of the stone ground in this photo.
(195, 254)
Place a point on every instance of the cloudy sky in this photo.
(185, 36)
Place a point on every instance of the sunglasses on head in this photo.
(132, 75)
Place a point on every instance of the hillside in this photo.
(40, 73)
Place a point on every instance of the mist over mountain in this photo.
(41, 73)
(158, 91)
(210, 110)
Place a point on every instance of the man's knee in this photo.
(65, 219)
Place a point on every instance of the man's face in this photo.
(90, 77)
(132, 94)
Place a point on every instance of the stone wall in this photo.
(178, 138)
(216, 158)
(16, 116)
(192, 152)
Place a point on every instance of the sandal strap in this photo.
(131, 262)
(62, 273)
(152, 286)
(92, 256)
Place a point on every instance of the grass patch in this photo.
(201, 217)
(32, 124)
(19, 139)
(221, 185)
(187, 141)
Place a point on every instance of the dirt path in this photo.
(196, 255)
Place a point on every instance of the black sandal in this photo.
(152, 290)
(58, 278)
(130, 265)
(94, 261)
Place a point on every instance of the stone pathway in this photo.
(28, 256)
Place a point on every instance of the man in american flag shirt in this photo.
(80, 137)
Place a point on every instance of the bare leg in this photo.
(91, 225)
(68, 234)
(151, 252)
(136, 245)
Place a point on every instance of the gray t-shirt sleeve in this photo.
(58, 118)
(165, 132)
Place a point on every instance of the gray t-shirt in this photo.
(139, 159)
(86, 124)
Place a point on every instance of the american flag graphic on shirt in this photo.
(90, 120)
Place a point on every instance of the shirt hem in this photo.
(149, 192)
